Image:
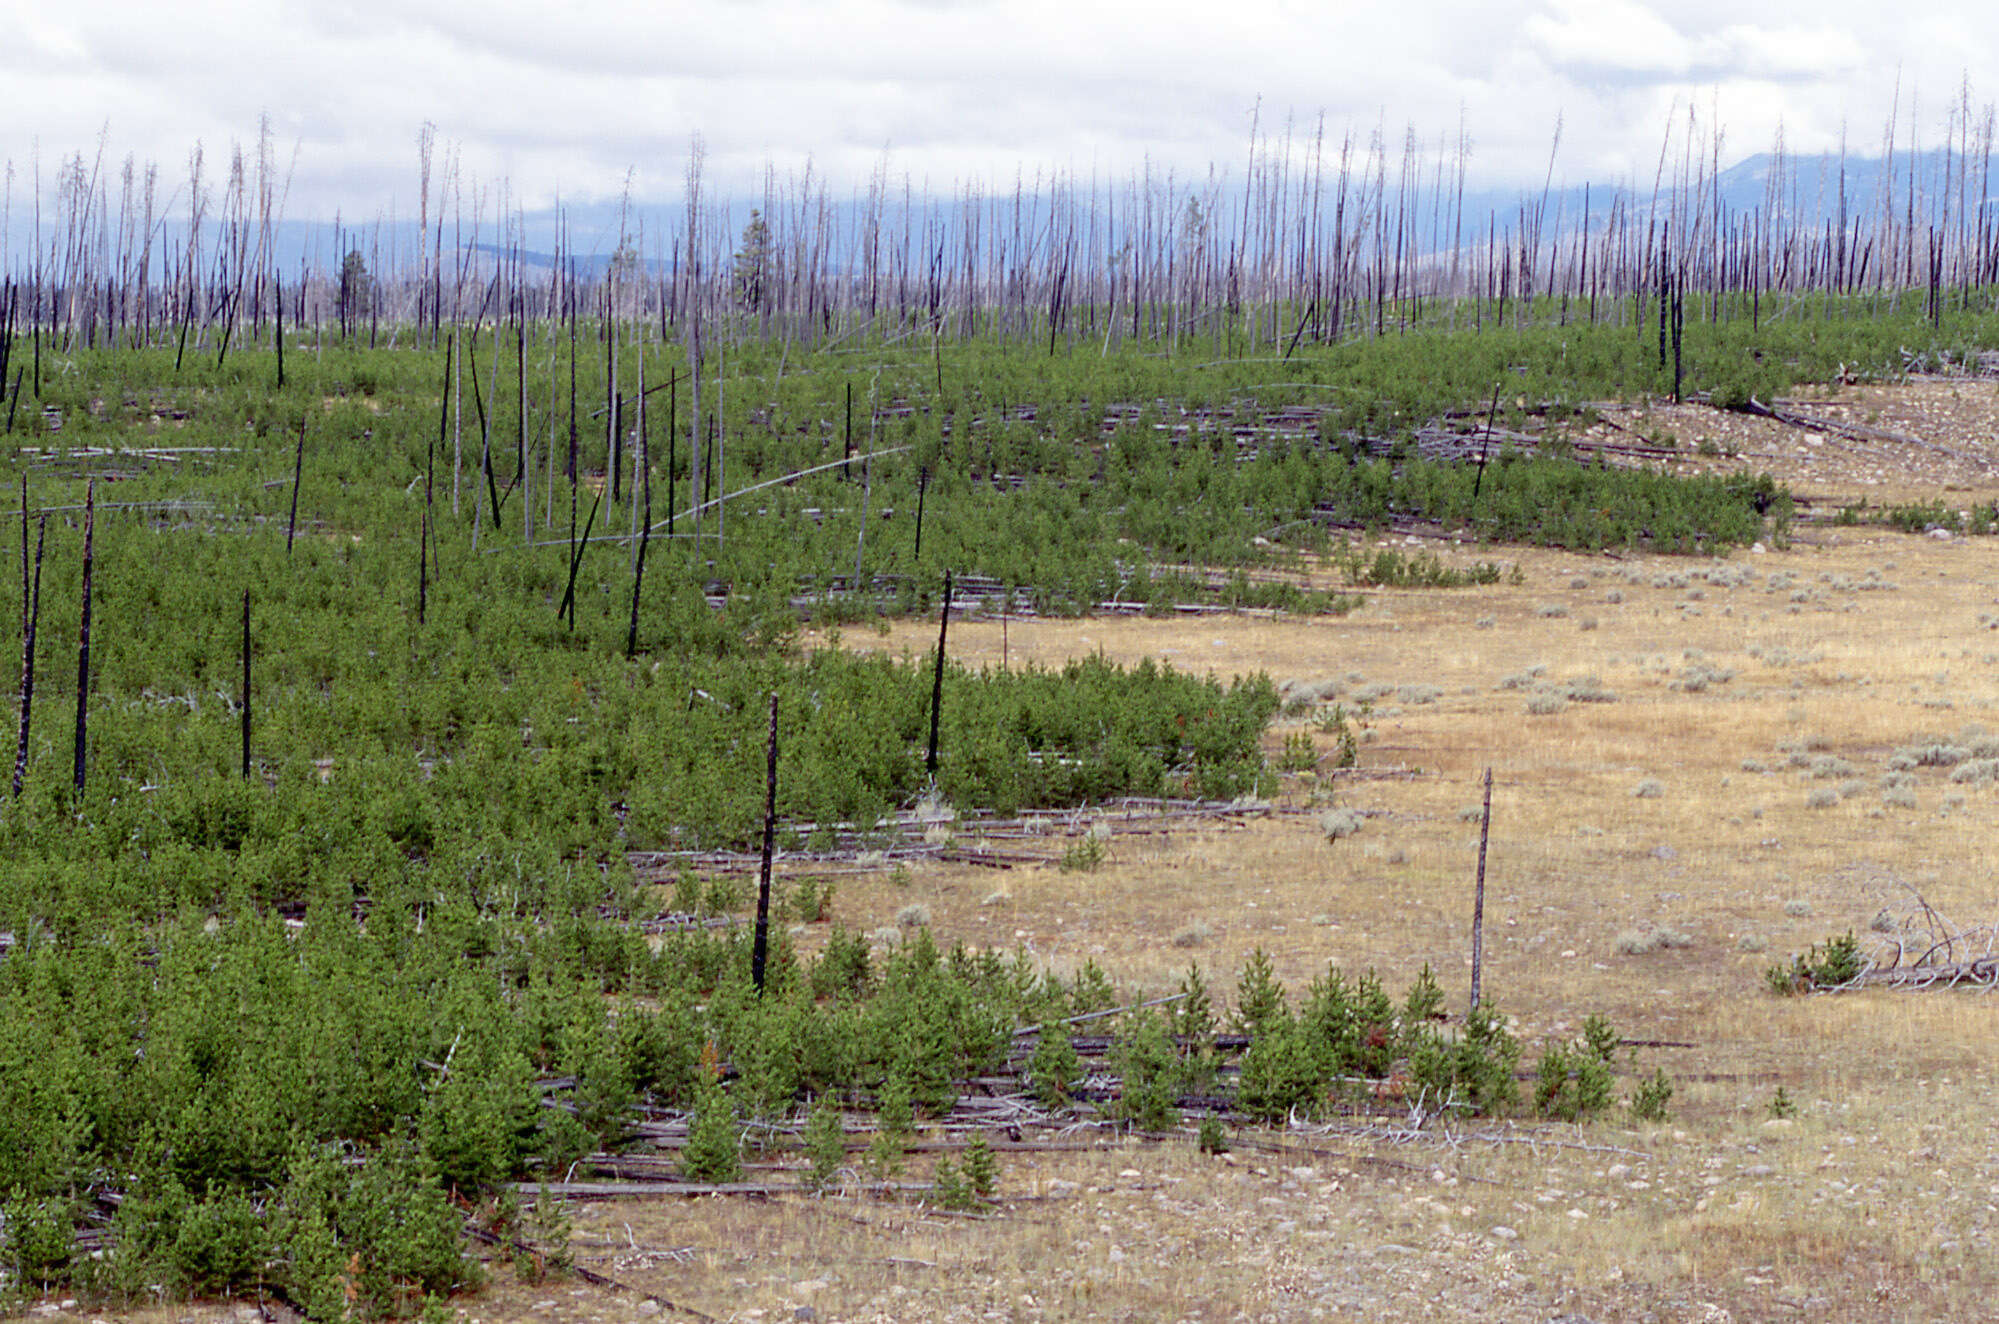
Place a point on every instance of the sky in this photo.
(532, 101)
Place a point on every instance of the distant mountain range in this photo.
(1809, 192)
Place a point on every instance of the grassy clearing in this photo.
(1860, 1203)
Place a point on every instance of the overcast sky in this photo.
(543, 99)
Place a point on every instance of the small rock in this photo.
(1504, 1233)
(1758, 1170)
(804, 1313)
(648, 1308)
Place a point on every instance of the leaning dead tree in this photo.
(1923, 949)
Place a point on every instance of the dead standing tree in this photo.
(31, 617)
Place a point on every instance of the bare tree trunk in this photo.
(31, 617)
(1478, 896)
(523, 461)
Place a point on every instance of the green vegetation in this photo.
(1574, 1082)
(1348, 1041)
(1835, 962)
(288, 1018)
(1652, 1098)
(1921, 517)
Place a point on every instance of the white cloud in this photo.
(576, 99)
(1611, 38)
(1792, 53)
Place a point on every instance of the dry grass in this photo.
(1577, 861)
(1869, 1202)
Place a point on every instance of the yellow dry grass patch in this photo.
(1769, 827)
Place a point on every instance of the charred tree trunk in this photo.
(937, 680)
(32, 615)
(760, 944)
(298, 472)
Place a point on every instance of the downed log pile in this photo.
(951, 836)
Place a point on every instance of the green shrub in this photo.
(1054, 1069)
(1831, 964)
(825, 1146)
(1574, 1082)
(1086, 854)
(1211, 1138)
(1259, 997)
(1300, 755)
(981, 1167)
(845, 968)
(949, 1187)
(1148, 1068)
(374, 1239)
(479, 1127)
(1471, 1072)
(1571, 1084)
(1281, 1074)
(713, 1152)
(35, 1247)
(1425, 1001)
(1652, 1097)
